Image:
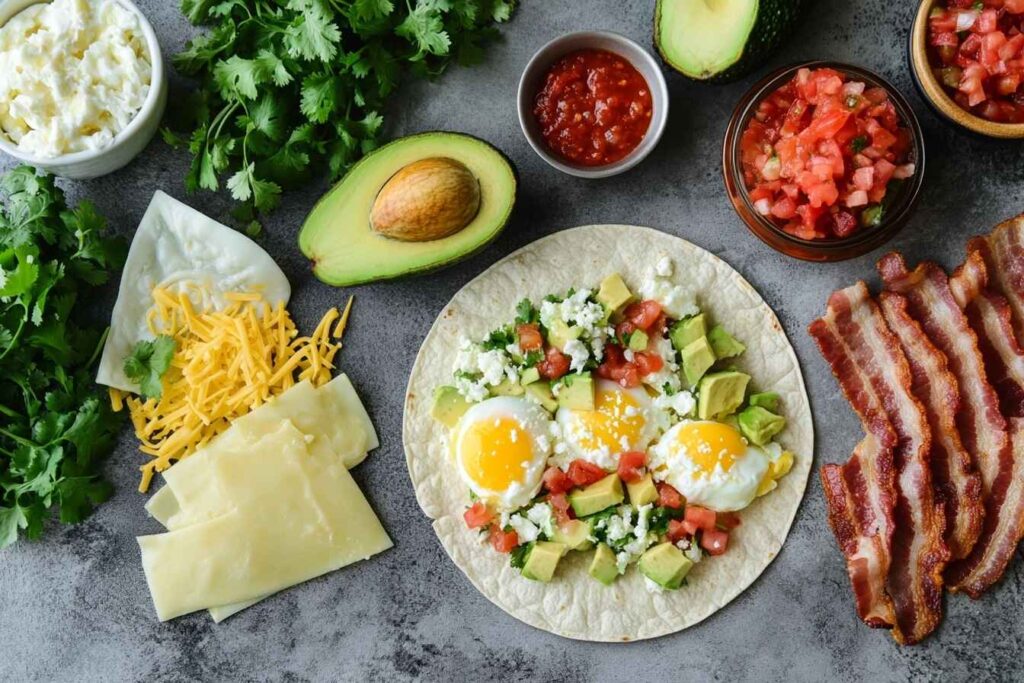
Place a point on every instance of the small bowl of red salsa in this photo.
(967, 58)
(592, 104)
(823, 161)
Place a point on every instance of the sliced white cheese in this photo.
(180, 249)
(311, 518)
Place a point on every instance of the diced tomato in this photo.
(714, 541)
(700, 518)
(584, 473)
(529, 336)
(503, 541)
(477, 516)
(844, 224)
(785, 208)
(556, 481)
(623, 330)
(648, 363)
(727, 520)
(560, 504)
(677, 530)
(628, 377)
(643, 314)
(632, 466)
(668, 497)
(554, 366)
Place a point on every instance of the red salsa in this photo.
(594, 107)
(820, 152)
(977, 53)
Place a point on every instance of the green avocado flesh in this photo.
(345, 250)
(720, 40)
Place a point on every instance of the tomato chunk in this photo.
(648, 363)
(584, 473)
(556, 481)
(668, 497)
(560, 504)
(530, 338)
(714, 541)
(643, 314)
(477, 516)
(632, 466)
(554, 366)
(503, 541)
(677, 530)
(701, 518)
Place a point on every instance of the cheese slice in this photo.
(300, 516)
(180, 250)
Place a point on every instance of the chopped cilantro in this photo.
(526, 313)
(148, 363)
(499, 339)
(859, 144)
(517, 558)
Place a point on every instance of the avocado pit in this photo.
(427, 200)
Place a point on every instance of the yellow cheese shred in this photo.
(226, 364)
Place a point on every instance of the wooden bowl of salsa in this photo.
(592, 104)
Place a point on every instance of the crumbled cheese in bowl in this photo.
(73, 74)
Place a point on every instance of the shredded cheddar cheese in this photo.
(226, 363)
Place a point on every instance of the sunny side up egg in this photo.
(501, 447)
(711, 464)
(622, 420)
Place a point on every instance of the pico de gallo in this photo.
(821, 153)
(976, 49)
(583, 425)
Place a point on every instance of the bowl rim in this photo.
(936, 95)
(827, 249)
(659, 118)
(149, 106)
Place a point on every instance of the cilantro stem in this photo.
(99, 347)
(18, 439)
(15, 339)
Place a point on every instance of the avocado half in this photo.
(721, 40)
(345, 249)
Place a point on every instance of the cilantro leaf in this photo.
(148, 362)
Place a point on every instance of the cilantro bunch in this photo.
(55, 427)
(290, 89)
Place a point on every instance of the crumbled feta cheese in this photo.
(681, 403)
(524, 528)
(674, 299)
(578, 354)
(621, 525)
(542, 515)
(622, 561)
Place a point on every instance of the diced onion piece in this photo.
(763, 207)
(903, 172)
(965, 19)
(857, 198)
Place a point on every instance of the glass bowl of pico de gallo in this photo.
(967, 59)
(823, 161)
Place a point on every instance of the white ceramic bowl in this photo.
(533, 78)
(127, 144)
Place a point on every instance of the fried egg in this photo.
(711, 464)
(501, 447)
(622, 420)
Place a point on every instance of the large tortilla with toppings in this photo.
(574, 605)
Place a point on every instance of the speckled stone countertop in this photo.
(74, 606)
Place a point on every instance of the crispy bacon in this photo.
(873, 373)
(957, 484)
(1003, 252)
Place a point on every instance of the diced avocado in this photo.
(684, 332)
(449, 406)
(529, 376)
(698, 357)
(643, 491)
(767, 400)
(721, 393)
(603, 567)
(575, 534)
(760, 425)
(542, 561)
(577, 392)
(540, 392)
(560, 334)
(665, 565)
(507, 388)
(638, 341)
(461, 203)
(598, 496)
(724, 344)
(614, 294)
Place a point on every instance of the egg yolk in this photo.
(616, 415)
(710, 444)
(495, 453)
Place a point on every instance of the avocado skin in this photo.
(775, 22)
(325, 278)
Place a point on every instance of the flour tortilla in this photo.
(574, 605)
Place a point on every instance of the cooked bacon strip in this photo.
(878, 383)
(1003, 251)
(990, 316)
(957, 484)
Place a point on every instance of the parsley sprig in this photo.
(290, 88)
(55, 428)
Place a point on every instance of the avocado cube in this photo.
(560, 334)
(507, 388)
(577, 392)
(760, 425)
(665, 565)
(598, 496)
(698, 357)
(613, 293)
(529, 376)
(724, 344)
(542, 560)
(449, 406)
(574, 534)
(540, 392)
(643, 491)
(767, 400)
(721, 393)
(684, 332)
(638, 341)
(603, 567)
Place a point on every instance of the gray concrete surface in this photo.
(74, 606)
